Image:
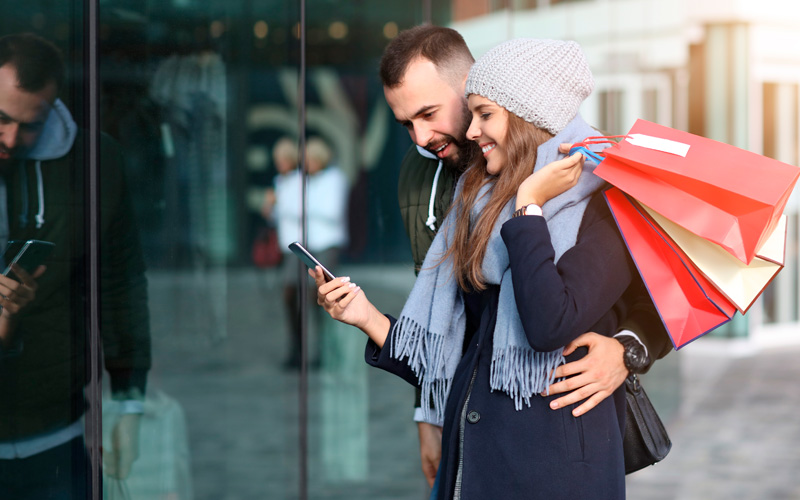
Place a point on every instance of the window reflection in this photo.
(44, 366)
(194, 96)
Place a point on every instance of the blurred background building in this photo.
(726, 70)
(199, 91)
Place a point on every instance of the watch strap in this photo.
(634, 356)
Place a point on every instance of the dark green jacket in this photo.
(414, 193)
(41, 388)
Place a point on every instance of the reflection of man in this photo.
(424, 71)
(43, 328)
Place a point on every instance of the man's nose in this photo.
(423, 135)
(9, 135)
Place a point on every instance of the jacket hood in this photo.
(57, 136)
(427, 154)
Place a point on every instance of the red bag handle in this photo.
(599, 139)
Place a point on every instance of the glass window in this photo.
(203, 100)
(44, 220)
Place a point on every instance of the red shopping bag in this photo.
(740, 283)
(689, 306)
(724, 194)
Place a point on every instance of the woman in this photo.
(524, 264)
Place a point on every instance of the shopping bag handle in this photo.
(601, 139)
(597, 156)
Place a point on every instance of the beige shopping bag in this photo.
(739, 282)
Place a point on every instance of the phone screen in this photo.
(309, 259)
(28, 254)
(11, 251)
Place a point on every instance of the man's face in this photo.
(22, 114)
(434, 113)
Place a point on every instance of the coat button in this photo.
(473, 417)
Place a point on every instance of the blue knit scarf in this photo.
(429, 334)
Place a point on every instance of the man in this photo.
(43, 329)
(423, 71)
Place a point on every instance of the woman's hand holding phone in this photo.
(346, 302)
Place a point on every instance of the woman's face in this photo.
(488, 129)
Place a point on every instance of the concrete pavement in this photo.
(736, 431)
(219, 341)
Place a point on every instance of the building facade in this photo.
(726, 70)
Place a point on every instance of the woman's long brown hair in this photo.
(469, 244)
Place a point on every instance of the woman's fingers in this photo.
(573, 160)
(339, 292)
(351, 295)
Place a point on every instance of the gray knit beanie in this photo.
(541, 81)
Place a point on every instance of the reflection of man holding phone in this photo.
(43, 328)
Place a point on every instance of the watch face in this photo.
(533, 210)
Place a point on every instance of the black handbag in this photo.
(646, 441)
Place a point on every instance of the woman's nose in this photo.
(473, 132)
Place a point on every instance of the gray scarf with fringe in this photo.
(429, 334)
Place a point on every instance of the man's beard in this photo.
(6, 163)
(468, 151)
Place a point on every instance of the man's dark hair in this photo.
(444, 47)
(38, 62)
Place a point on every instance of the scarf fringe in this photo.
(522, 372)
(424, 352)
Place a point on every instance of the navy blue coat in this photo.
(537, 452)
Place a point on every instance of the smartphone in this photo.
(309, 259)
(28, 254)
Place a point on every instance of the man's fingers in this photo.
(567, 385)
(22, 274)
(569, 369)
(429, 471)
(569, 349)
(589, 404)
(588, 391)
(583, 340)
(39, 271)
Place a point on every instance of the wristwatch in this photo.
(530, 209)
(635, 358)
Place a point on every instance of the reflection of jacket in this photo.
(41, 388)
